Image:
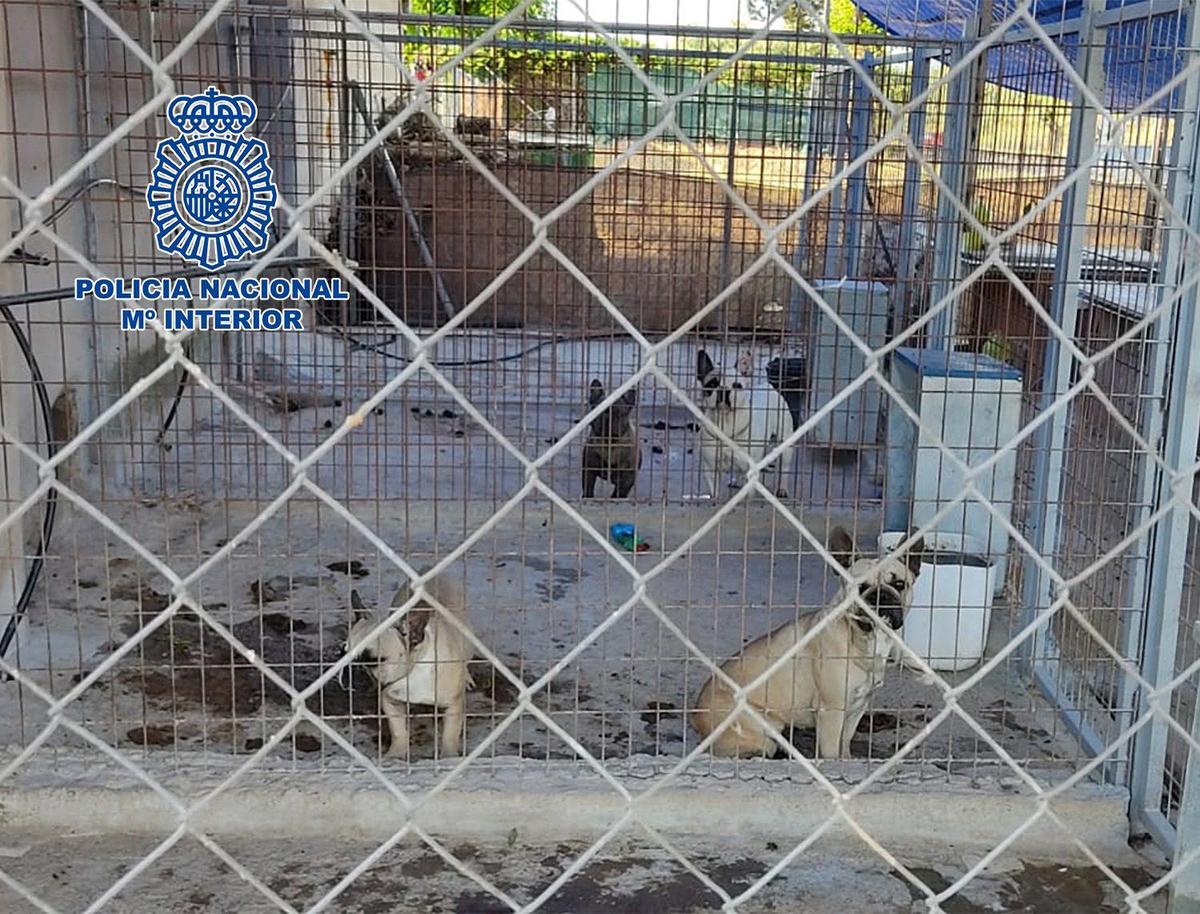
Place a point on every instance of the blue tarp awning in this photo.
(1142, 51)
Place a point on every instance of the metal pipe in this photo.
(727, 217)
(835, 263)
(577, 28)
(349, 188)
(910, 204)
(975, 114)
(1169, 549)
(1185, 888)
(1049, 441)
(812, 131)
(856, 184)
(947, 246)
(1168, 570)
(410, 217)
(90, 228)
(516, 44)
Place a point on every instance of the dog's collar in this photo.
(410, 660)
(386, 685)
(347, 671)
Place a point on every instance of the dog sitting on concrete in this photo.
(611, 451)
(828, 682)
(422, 660)
(756, 418)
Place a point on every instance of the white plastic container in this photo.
(971, 404)
(947, 624)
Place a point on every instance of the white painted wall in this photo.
(39, 124)
(66, 83)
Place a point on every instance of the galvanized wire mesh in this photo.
(278, 493)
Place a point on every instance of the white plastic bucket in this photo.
(947, 624)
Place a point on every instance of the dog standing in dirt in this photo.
(828, 682)
(611, 451)
(422, 660)
(757, 419)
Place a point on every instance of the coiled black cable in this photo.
(43, 398)
(39, 559)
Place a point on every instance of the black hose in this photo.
(887, 254)
(358, 345)
(379, 349)
(70, 199)
(285, 263)
(39, 387)
(39, 559)
(184, 377)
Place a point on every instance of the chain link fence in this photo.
(191, 519)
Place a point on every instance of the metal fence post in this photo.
(87, 115)
(271, 84)
(856, 185)
(731, 178)
(910, 205)
(1050, 440)
(835, 260)
(1135, 642)
(346, 216)
(1185, 887)
(947, 247)
(1170, 538)
(812, 126)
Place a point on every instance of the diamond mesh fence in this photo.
(747, 285)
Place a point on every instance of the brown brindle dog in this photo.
(611, 451)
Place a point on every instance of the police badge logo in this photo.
(211, 192)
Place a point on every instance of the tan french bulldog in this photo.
(826, 684)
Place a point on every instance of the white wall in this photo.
(66, 83)
(38, 140)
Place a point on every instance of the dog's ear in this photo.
(745, 364)
(403, 594)
(704, 365)
(595, 392)
(914, 556)
(841, 546)
(358, 606)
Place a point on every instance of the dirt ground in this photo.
(627, 876)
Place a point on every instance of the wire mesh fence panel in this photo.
(686, 376)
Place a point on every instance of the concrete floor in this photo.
(424, 478)
(627, 876)
(536, 586)
(419, 444)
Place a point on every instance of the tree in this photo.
(847, 19)
(844, 17)
(794, 17)
(490, 8)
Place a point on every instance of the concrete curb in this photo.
(970, 821)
